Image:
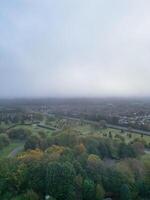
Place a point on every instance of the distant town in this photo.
(131, 113)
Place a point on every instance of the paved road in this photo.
(16, 151)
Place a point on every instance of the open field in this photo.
(34, 128)
(87, 129)
(90, 128)
(7, 150)
(125, 134)
(5, 126)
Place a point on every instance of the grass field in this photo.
(126, 133)
(87, 129)
(5, 126)
(14, 144)
(35, 129)
(7, 150)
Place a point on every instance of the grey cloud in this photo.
(74, 48)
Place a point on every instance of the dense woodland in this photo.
(71, 166)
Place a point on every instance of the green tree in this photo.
(88, 190)
(110, 134)
(29, 195)
(33, 142)
(125, 192)
(99, 192)
(94, 166)
(102, 124)
(60, 180)
(112, 180)
(126, 151)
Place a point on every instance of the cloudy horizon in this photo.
(82, 48)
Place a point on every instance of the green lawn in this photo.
(125, 134)
(35, 129)
(5, 126)
(87, 129)
(14, 144)
(7, 150)
(84, 129)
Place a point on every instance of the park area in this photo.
(16, 145)
(110, 132)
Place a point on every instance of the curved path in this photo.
(16, 151)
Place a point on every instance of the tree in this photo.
(55, 152)
(138, 147)
(99, 192)
(112, 180)
(110, 134)
(103, 149)
(126, 151)
(125, 192)
(94, 166)
(38, 116)
(49, 198)
(102, 124)
(42, 134)
(79, 149)
(88, 190)
(144, 189)
(78, 168)
(35, 171)
(29, 195)
(60, 180)
(33, 142)
(129, 135)
(79, 181)
(67, 138)
(122, 131)
(120, 137)
(12, 177)
(93, 161)
(1, 129)
(92, 145)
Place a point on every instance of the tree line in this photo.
(71, 166)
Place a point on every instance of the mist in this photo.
(79, 48)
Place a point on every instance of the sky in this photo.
(74, 48)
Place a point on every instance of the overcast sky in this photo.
(63, 48)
